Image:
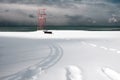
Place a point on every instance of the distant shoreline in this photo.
(86, 28)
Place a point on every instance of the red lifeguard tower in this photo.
(42, 20)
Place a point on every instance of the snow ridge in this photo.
(111, 73)
(73, 73)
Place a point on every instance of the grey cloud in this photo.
(80, 20)
(69, 13)
(18, 1)
(31, 16)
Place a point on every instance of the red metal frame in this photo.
(41, 19)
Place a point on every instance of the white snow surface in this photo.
(73, 73)
(111, 73)
(61, 34)
(27, 56)
(29, 74)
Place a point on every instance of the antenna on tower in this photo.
(42, 20)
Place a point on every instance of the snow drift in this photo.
(73, 73)
(111, 73)
(31, 73)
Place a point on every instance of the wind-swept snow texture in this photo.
(88, 53)
(113, 75)
(62, 34)
(33, 72)
(73, 73)
(29, 74)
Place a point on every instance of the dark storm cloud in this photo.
(61, 12)
(18, 1)
(16, 13)
(80, 20)
(114, 1)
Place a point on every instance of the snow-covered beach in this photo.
(63, 55)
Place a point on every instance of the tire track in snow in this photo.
(54, 56)
(93, 45)
(102, 47)
(33, 72)
(111, 74)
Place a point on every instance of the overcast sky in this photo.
(61, 12)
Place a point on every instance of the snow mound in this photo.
(111, 73)
(31, 73)
(73, 73)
